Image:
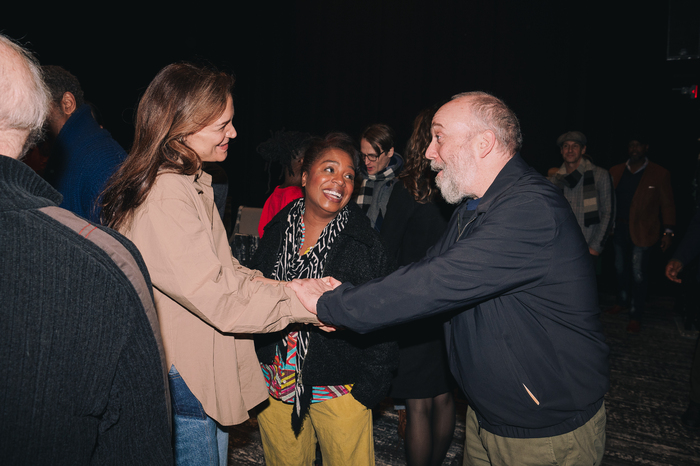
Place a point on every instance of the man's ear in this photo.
(68, 104)
(583, 150)
(303, 180)
(484, 142)
(390, 152)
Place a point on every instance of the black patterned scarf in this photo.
(290, 265)
(590, 195)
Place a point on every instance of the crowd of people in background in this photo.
(451, 269)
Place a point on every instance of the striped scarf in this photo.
(590, 195)
(373, 195)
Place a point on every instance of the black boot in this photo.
(691, 417)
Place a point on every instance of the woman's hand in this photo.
(309, 290)
(326, 328)
(267, 281)
(332, 282)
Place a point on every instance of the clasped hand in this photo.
(309, 290)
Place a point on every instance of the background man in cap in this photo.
(588, 189)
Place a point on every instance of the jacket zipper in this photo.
(461, 230)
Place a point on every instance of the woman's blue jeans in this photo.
(198, 440)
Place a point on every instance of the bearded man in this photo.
(513, 272)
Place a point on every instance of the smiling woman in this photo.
(162, 201)
(328, 184)
(211, 142)
(344, 374)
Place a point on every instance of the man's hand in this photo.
(673, 268)
(309, 290)
(666, 242)
(593, 252)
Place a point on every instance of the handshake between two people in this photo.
(309, 290)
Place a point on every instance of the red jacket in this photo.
(652, 202)
(277, 201)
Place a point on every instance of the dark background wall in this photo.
(316, 66)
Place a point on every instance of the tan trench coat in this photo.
(205, 299)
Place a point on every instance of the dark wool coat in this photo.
(409, 230)
(82, 380)
(341, 357)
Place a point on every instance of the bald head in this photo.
(474, 136)
(24, 103)
(491, 113)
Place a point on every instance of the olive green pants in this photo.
(583, 446)
(342, 427)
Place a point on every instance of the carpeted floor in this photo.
(649, 376)
(649, 387)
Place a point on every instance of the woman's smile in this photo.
(328, 184)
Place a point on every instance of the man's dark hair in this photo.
(380, 137)
(59, 81)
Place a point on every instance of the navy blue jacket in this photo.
(83, 158)
(525, 341)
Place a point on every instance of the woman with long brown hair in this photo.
(414, 222)
(162, 201)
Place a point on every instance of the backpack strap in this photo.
(126, 262)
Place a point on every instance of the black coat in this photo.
(409, 230)
(341, 357)
(82, 380)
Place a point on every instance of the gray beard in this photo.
(448, 185)
(450, 191)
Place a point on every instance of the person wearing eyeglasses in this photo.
(379, 173)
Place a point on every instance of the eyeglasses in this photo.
(372, 157)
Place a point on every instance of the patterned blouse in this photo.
(281, 376)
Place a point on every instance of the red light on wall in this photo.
(690, 91)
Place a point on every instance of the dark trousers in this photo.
(632, 268)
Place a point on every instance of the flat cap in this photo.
(575, 136)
